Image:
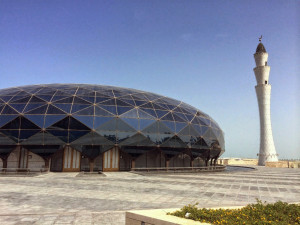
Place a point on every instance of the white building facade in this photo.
(267, 151)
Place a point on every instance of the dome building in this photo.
(80, 127)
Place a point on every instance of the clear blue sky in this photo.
(200, 52)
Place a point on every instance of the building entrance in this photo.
(71, 162)
(111, 160)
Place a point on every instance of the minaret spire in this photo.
(267, 152)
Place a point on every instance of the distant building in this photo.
(75, 127)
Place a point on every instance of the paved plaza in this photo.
(73, 198)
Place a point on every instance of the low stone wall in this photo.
(284, 164)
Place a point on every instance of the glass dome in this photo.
(95, 118)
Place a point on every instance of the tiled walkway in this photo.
(68, 198)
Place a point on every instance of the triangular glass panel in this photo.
(185, 131)
(12, 134)
(78, 100)
(46, 91)
(180, 126)
(138, 103)
(4, 119)
(149, 111)
(27, 124)
(204, 129)
(86, 92)
(101, 99)
(40, 110)
(65, 107)
(14, 124)
(61, 97)
(25, 134)
(145, 123)
(173, 142)
(21, 100)
(194, 132)
(64, 100)
(61, 134)
(108, 102)
(170, 125)
(198, 129)
(186, 139)
(75, 134)
(130, 114)
(171, 107)
(162, 138)
(5, 141)
(77, 125)
(35, 99)
(89, 99)
(123, 127)
(163, 129)
(137, 140)
(18, 97)
(205, 121)
(87, 120)
(111, 109)
(110, 135)
(122, 103)
(98, 121)
(122, 110)
(189, 117)
(147, 106)
(30, 107)
(153, 128)
(179, 118)
(36, 119)
(89, 111)
(18, 107)
(143, 115)
(130, 102)
(161, 113)
(9, 110)
(60, 125)
(169, 117)
(51, 119)
(111, 125)
(54, 110)
(177, 109)
(78, 107)
(159, 107)
(123, 136)
(101, 112)
(6, 98)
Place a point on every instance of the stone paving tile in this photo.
(71, 198)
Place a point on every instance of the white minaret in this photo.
(267, 152)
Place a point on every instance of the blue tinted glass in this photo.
(179, 126)
(87, 111)
(78, 107)
(122, 110)
(4, 119)
(30, 107)
(169, 117)
(149, 111)
(18, 107)
(37, 119)
(111, 109)
(161, 113)
(51, 119)
(170, 125)
(8, 111)
(145, 123)
(144, 115)
(130, 114)
(98, 121)
(134, 124)
(87, 120)
(65, 107)
(39, 110)
(78, 100)
(54, 110)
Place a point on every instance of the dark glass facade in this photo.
(93, 119)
